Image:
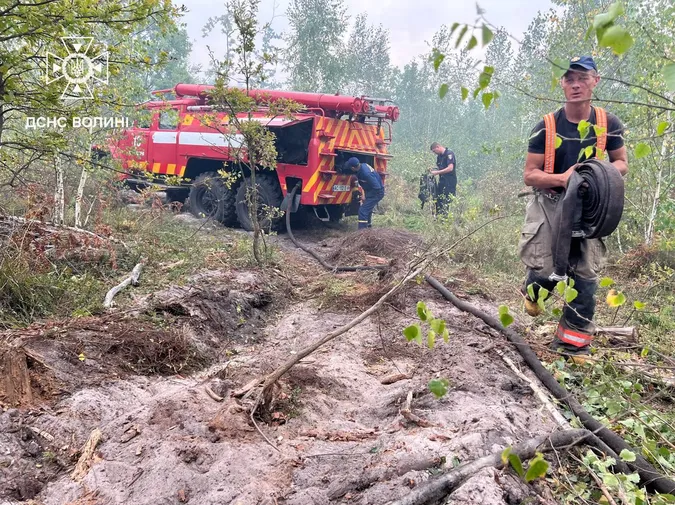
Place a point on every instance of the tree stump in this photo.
(15, 387)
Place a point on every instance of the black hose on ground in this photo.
(318, 258)
(648, 474)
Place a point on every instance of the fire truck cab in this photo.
(172, 145)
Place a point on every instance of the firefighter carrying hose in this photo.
(371, 182)
(547, 170)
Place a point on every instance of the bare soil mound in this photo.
(395, 245)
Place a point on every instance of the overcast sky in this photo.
(410, 23)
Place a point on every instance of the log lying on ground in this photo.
(132, 279)
(436, 489)
(648, 474)
(617, 335)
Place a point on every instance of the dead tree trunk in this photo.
(14, 377)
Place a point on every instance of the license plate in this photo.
(340, 187)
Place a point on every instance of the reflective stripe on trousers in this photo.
(575, 338)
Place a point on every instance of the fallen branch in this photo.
(602, 488)
(132, 279)
(543, 397)
(406, 412)
(87, 458)
(436, 489)
(213, 394)
(270, 379)
(391, 379)
(57, 227)
(648, 474)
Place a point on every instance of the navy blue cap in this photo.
(585, 62)
(352, 162)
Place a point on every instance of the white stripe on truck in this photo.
(164, 137)
(210, 139)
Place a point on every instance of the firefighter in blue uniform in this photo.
(372, 185)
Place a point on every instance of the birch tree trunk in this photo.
(78, 198)
(59, 194)
(649, 233)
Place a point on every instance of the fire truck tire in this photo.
(209, 197)
(335, 213)
(269, 194)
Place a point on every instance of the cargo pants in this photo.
(373, 197)
(587, 258)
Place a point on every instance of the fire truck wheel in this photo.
(209, 197)
(269, 201)
(335, 213)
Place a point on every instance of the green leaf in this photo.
(607, 18)
(642, 150)
(438, 58)
(505, 455)
(617, 38)
(443, 90)
(485, 76)
(431, 339)
(639, 305)
(516, 464)
(506, 320)
(599, 130)
(558, 141)
(583, 127)
(487, 99)
(446, 335)
(438, 325)
(606, 282)
(644, 352)
(473, 42)
(560, 66)
(422, 311)
(669, 75)
(439, 387)
(570, 294)
(556, 312)
(413, 332)
(487, 35)
(543, 294)
(462, 32)
(530, 291)
(476, 91)
(588, 152)
(503, 309)
(627, 456)
(538, 468)
(453, 28)
(560, 287)
(615, 299)
(663, 126)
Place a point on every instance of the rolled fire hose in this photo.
(591, 208)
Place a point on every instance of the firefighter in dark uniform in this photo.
(446, 163)
(547, 170)
(372, 185)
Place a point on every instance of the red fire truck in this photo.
(176, 149)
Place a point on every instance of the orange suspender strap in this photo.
(549, 150)
(601, 122)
